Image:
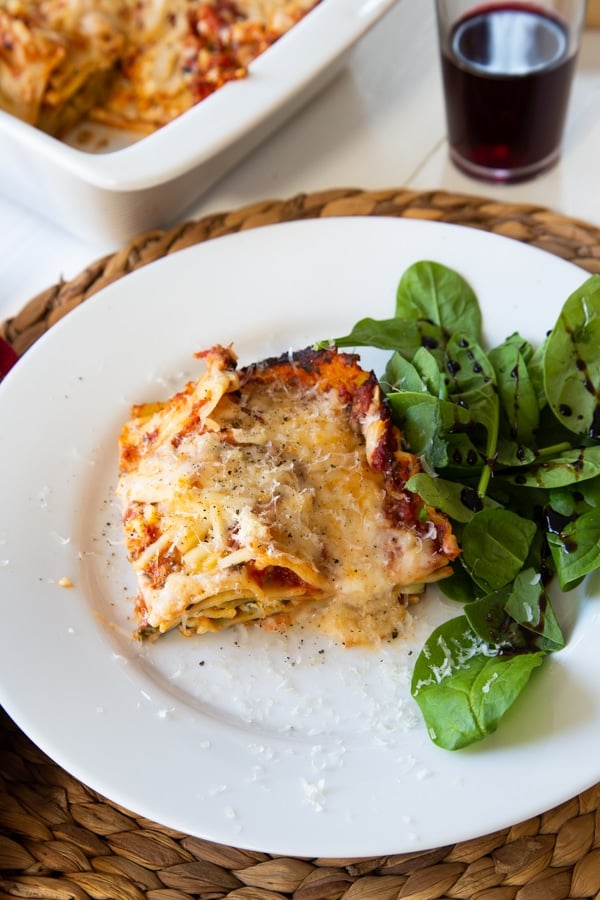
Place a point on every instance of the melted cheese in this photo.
(252, 493)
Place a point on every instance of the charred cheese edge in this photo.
(133, 64)
(256, 492)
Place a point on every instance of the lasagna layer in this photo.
(57, 58)
(255, 493)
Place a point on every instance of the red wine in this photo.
(8, 358)
(507, 73)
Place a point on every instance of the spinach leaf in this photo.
(489, 620)
(569, 467)
(588, 492)
(425, 421)
(404, 336)
(517, 392)
(568, 502)
(458, 501)
(495, 545)
(401, 375)
(576, 549)
(535, 367)
(430, 290)
(524, 347)
(427, 366)
(466, 457)
(572, 362)
(510, 455)
(517, 617)
(464, 687)
(529, 605)
(459, 586)
(472, 386)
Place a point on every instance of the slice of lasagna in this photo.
(258, 492)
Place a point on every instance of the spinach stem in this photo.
(554, 449)
(484, 480)
(492, 446)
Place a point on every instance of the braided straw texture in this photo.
(568, 238)
(61, 841)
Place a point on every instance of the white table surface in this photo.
(380, 124)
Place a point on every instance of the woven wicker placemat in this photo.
(62, 841)
(570, 239)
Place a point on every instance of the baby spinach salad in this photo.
(509, 440)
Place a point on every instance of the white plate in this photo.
(247, 738)
(113, 196)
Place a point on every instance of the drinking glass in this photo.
(8, 357)
(507, 71)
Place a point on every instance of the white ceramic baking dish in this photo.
(110, 191)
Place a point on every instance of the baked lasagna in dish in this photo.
(273, 491)
(132, 64)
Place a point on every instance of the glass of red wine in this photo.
(507, 70)
(8, 357)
